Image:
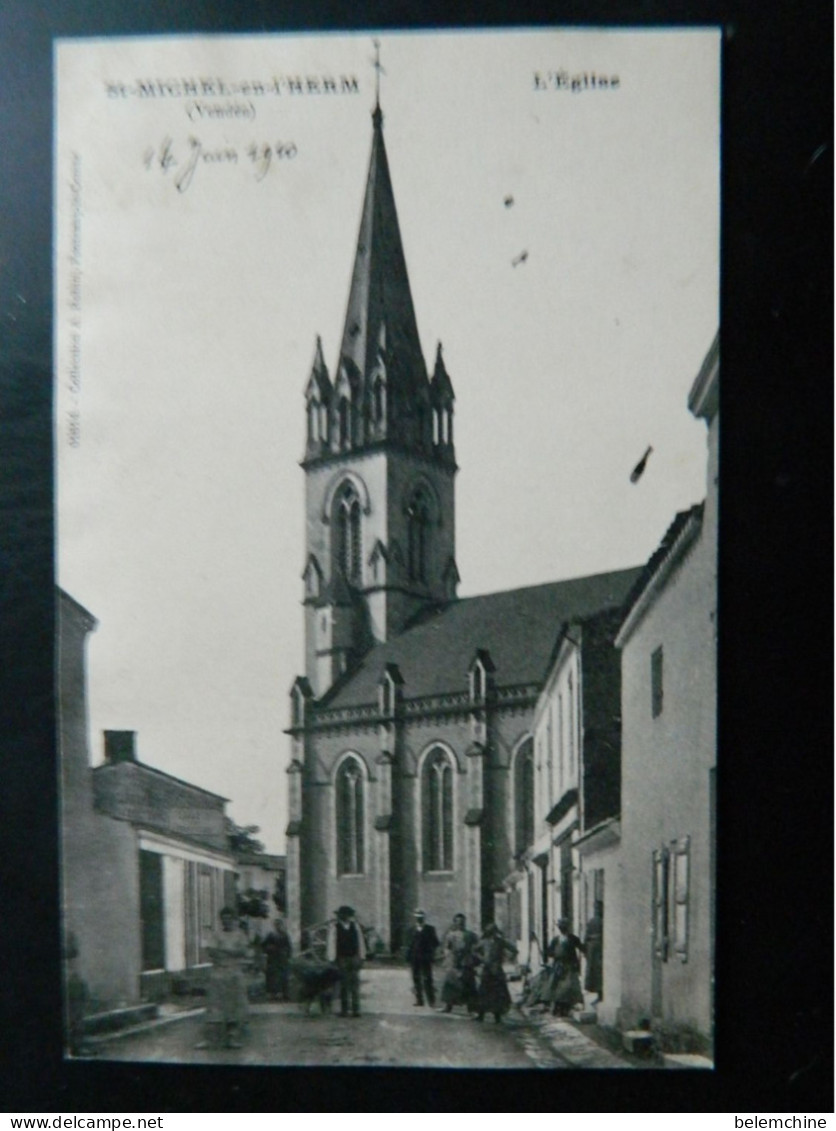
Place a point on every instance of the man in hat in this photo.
(420, 952)
(347, 949)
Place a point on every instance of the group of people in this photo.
(558, 985)
(473, 974)
(473, 966)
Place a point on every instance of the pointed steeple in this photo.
(441, 399)
(380, 308)
(319, 380)
(441, 385)
(379, 460)
(318, 396)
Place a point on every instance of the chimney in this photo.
(119, 746)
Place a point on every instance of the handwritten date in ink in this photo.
(182, 162)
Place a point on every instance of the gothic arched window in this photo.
(350, 818)
(418, 534)
(437, 811)
(344, 421)
(347, 523)
(524, 796)
(379, 401)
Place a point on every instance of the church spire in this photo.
(380, 301)
(378, 71)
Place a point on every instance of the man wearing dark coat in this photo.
(346, 949)
(420, 952)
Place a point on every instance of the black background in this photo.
(774, 1007)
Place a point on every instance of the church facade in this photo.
(410, 778)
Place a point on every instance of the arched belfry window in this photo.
(347, 526)
(437, 811)
(350, 785)
(379, 401)
(418, 534)
(344, 421)
(524, 796)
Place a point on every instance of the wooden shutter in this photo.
(680, 895)
(656, 681)
(660, 903)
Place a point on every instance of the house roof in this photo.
(667, 550)
(84, 615)
(517, 627)
(265, 860)
(143, 769)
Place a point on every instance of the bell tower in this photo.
(379, 457)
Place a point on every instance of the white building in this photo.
(669, 692)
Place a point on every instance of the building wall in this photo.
(508, 730)
(666, 762)
(260, 878)
(481, 853)
(137, 793)
(609, 861)
(600, 708)
(557, 737)
(576, 782)
(99, 870)
(186, 912)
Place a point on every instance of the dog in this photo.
(316, 981)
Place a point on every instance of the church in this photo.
(411, 777)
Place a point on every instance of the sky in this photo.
(186, 322)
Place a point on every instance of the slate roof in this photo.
(659, 555)
(517, 626)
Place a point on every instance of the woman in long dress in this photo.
(565, 990)
(459, 986)
(493, 996)
(594, 944)
(226, 1003)
(539, 980)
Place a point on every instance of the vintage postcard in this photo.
(387, 414)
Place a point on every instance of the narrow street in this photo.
(392, 1032)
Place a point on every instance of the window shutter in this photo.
(660, 903)
(656, 681)
(681, 880)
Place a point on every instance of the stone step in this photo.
(115, 1019)
(638, 1041)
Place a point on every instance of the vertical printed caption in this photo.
(74, 300)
